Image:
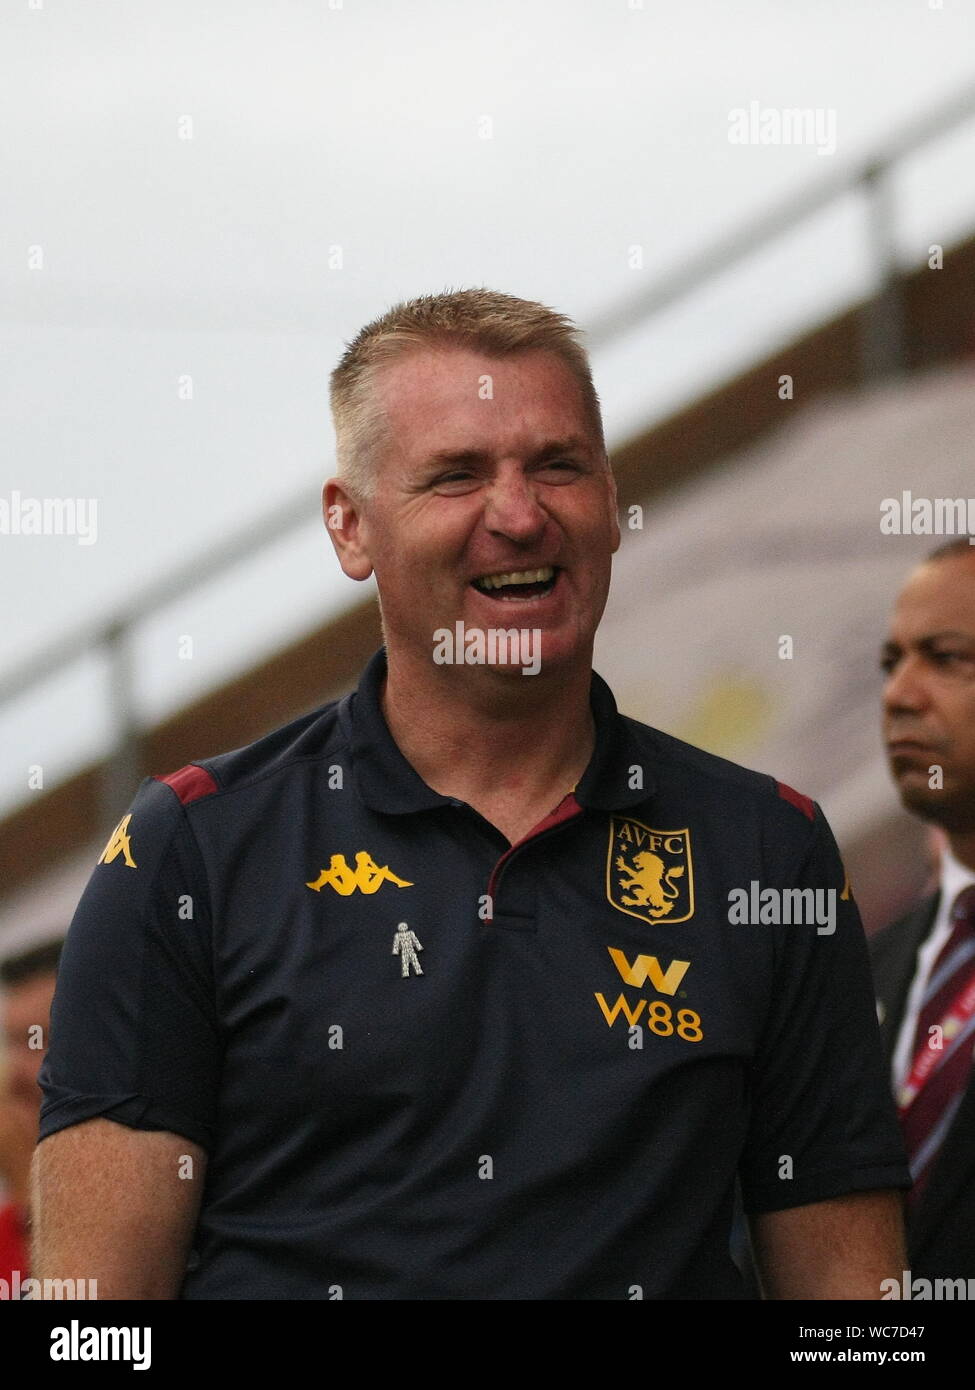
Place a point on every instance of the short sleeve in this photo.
(822, 1118)
(134, 1030)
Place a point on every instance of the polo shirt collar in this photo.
(387, 783)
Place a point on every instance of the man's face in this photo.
(929, 695)
(492, 470)
(25, 1006)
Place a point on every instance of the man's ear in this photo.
(615, 508)
(343, 518)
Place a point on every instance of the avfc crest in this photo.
(649, 873)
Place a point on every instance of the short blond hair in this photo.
(484, 320)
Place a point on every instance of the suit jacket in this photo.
(941, 1230)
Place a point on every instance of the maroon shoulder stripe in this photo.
(190, 783)
(802, 803)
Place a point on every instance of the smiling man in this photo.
(436, 994)
(496, 510)
(925, 963)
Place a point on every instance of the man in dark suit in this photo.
(924, 964)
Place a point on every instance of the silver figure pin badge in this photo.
(406, 943)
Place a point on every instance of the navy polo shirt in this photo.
(427, 1064)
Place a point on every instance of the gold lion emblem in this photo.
(649, 873)
(648, 882)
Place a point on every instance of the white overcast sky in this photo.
(362, 127)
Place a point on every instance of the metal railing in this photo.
(882, 353)
(871, 178)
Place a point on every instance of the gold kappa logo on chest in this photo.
(649, 873)
(366, 877)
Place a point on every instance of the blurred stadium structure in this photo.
(760, 519)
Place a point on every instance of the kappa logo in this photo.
(649, 873)
(367, 876)
(118, 843)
